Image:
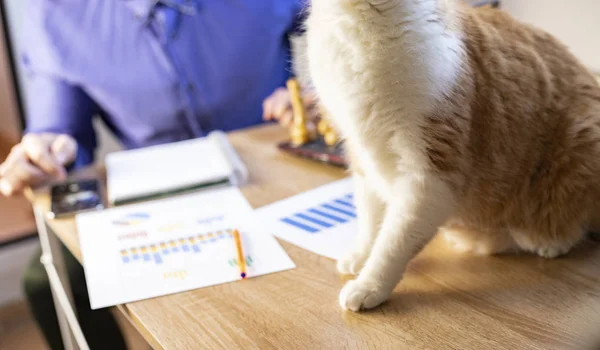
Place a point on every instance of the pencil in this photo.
(240, 253)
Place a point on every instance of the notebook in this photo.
(159, 171)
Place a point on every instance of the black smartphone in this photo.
(74, 197)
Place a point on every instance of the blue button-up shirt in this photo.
(154, 71)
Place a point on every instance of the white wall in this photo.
(575, 22)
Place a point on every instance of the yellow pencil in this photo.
(240, 253)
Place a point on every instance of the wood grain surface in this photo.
(446, 300)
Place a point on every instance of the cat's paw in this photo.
(352, 262)
(459, 245)
(552, 252)
(361, 295)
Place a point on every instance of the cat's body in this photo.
(454, 118)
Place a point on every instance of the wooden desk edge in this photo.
(139, 326)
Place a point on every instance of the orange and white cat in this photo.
(455, 119)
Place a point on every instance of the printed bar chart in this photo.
(324, 216)
(323, 221)
(188, 245)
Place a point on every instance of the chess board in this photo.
(318, 151)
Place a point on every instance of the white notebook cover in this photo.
(156, 170)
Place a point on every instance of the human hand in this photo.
(278, 107)
(37, 159)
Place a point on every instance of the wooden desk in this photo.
(446, 300)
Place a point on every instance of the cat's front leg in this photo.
(419, 207)
(369, 208)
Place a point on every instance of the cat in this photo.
(458, 120)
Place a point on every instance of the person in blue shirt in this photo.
(154, 71)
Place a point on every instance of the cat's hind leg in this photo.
(549, 246)
(478, 241)
(564, 190)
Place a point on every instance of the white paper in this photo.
(172, 245)
(322, 220)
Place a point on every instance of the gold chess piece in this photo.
(325, 129)
(298, 132)
(331, 138)
(323, 126)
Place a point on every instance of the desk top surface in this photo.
(446, 300)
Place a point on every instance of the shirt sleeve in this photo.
(54, 101)
(54, 105)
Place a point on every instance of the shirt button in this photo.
(190, 87)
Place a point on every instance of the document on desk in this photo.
(172, 245)
(322, 220)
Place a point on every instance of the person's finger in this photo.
(267, 107)
(271, 103)
(28, 174)
(281, 107)
(16, 154)
(64, 149)
(10, 185)
(287, 118)
(5, 187)
(38, 151)
(278, 104)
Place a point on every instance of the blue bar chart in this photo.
(323, 220)
(324, 215)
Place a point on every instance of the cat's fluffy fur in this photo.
(458, 119)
